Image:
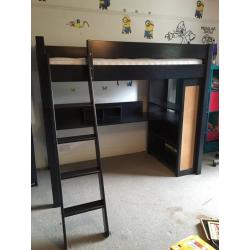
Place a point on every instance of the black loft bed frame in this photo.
(189, 75)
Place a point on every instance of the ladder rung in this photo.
(79, 172)
(73, 105)
(83, 208)
(76, 138)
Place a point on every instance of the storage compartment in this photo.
(166, 93)
(112, 114)
(165, 98)
(165, 130)
(163, 150)
(89, 118)
(67, 118)
(78, 115)
(214, 101)
(132, 111)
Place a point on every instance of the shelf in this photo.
(157, 147)
(158, 113)
(164, 124)
(72, 105)
(128, 119)
(79, 115)
(168, 105)
(132, 119)
(167, 137)
(78, 138)
(167, 116)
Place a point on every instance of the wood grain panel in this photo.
(191, 100)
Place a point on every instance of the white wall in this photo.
(114, 140)
(50, 19)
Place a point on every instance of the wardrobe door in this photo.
(188, 128)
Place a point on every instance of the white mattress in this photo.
(123, 61)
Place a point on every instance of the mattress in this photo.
(123, 61)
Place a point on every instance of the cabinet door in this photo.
(188, 129)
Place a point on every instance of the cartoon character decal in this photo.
(126, 25)
(78, 24)
(181, 32)
(149, 29)
(207, 37)
(104, 4)
(199, 9)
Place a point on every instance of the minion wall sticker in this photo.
(126, 25)
(199, 9)
(78, 24)
(149, 29)
(104, 4)
(182, 33)
(208, 35)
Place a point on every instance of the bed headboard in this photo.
(107, 49)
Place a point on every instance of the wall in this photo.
(50, 19)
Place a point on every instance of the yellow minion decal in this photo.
(126, 25)
(104, 4)
(78, 24)
(199, 9)
(149, 29)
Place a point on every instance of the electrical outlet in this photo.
(64, 147)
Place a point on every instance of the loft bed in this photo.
(141, 61)
(175, 132)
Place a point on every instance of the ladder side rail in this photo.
(47, 116)
(97, 145)
(57, 163)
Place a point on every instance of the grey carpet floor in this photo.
(148, 208)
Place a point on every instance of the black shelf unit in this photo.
(164, 123)
(80, 115)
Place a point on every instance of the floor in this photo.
(148, 208)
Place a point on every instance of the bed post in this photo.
(200, 134)
(48, 116)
